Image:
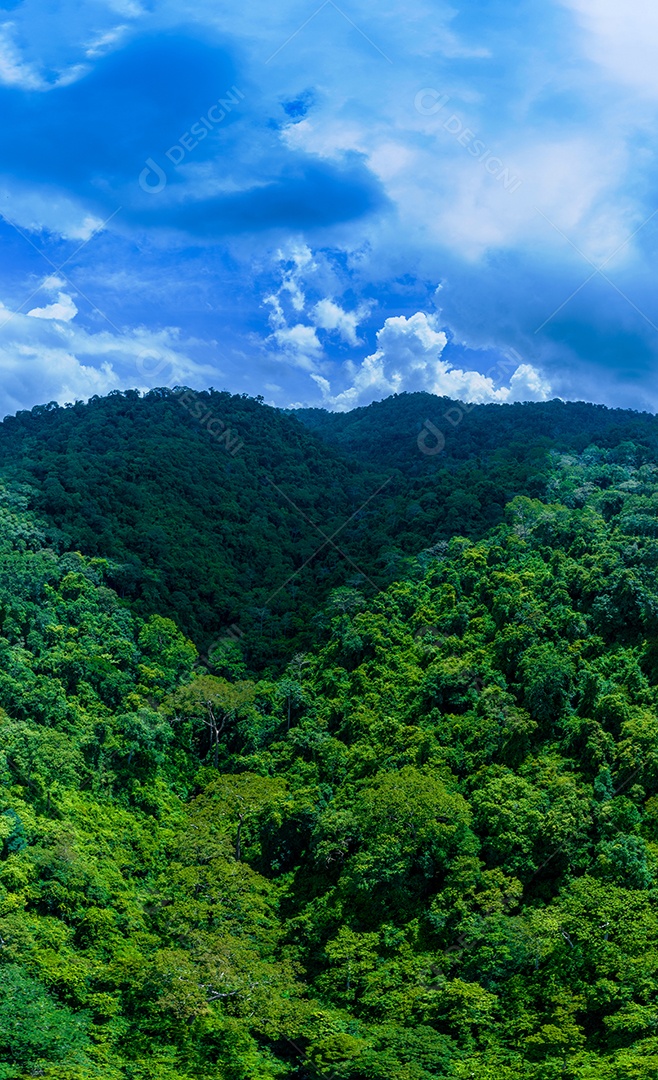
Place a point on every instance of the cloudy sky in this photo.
(326, 204)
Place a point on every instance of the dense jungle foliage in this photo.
(208, 504)
(425, 844)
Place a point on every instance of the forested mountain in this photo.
(385, 433)
(204, 526)
(426, 845)
(221, 512)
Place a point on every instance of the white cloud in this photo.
(328, 315)
(14, 71)
(102, 42)
(301, 257)
(53, 283)
(34, 209)
(528, 384)
(301, 269)
(299, 343)
(409, 357)
(17, 72)
(623, 38)
(329, 138)
(48, 359)
(63, 309)
(128, 8)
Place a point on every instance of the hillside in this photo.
(386, 432)
(237, 519)
(204, 529)
(429, 848)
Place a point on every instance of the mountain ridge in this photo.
(279, 508)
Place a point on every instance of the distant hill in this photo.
(203, 527)
(238, 519)
(387, 431)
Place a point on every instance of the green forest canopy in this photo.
(224, 512)
(425, 845)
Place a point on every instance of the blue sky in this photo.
(328, 204)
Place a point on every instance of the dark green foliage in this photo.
(34, 1030)
(195, 530)
(246, 535)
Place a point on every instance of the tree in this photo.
(35, 1030)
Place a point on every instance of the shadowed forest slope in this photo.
(222, 512)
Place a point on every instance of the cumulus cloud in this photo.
(46, 358)
(409, 357)
(328, 315)
(528, 384)
(301, 271)
(63, 309)
(299, 343)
